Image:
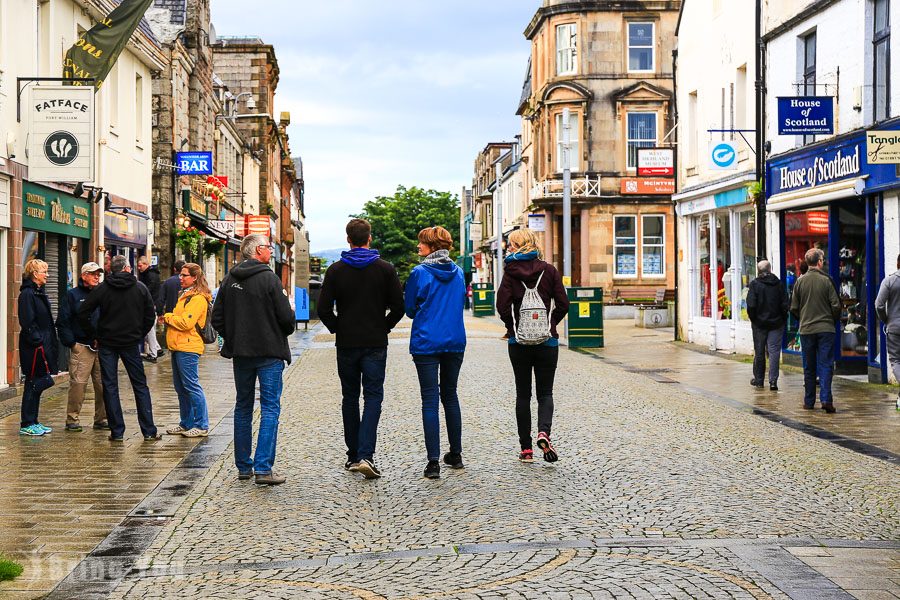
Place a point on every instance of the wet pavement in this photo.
(663, 490)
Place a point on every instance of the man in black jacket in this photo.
(84, 364)
(364, 287)
(167, 296)
(149, 276)
(253, 315)
(127, 313)
(767, 307)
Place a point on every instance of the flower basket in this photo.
(212, 246)
(189, 240)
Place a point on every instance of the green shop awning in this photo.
(53, 211)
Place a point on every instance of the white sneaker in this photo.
(194, 432)
(175, 430)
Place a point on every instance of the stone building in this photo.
(482, 228)
(610, 64)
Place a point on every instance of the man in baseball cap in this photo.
(84, 363)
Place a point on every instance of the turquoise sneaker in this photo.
(45, 428)
(32, 430)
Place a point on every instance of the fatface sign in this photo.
(194, 163)
(805, 115)
(61, 134)
(655, 162)
(883, 147)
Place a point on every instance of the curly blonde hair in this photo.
(525, 241)
(33, 266)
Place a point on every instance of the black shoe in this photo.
(808, 407)
(149, 359)
(433, 470)
(454, 460)
(244, 476)
(160, 353)
(829, 408)
(756, 383)
(101, 425)
(773, 387)
(351, 465)
(115, 438)
(153, 438)
(368, 469)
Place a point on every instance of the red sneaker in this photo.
(526, 456)
(543, 442)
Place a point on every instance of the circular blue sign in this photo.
(723, 155)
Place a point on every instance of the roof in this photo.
(177, 9)
(526, 88)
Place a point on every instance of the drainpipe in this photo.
(760, 133)
(675, 154)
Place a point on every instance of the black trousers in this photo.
(540, 360)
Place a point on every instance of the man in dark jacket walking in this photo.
(127, 313)
(167, 296)
(253, 315)
(816, 304)
(149, 276)
(84, 364)
(767, 307)
(363, 287)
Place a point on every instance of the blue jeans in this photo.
(109, 373)
(365, 366)
(191, 399)
(818, 352)
(246, 372)
(438, 374)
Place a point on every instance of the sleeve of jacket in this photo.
(27, 318)
(64, 321)
(881, 301)
(411, 295)
(395, 299)
(560, 299)
(188, 317)
(149, 311)
(86, 309)
(325, 304)
(504, 304)
(218, 308)
(835, 303)
(284, 314)
(752, 301)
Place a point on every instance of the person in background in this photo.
(37, 344)
(84, 363)
(767, 307)
(107, 259)
(186, 345)
(169, 291)
(435, 297)
(525, 270)
(887, 305)
(149, 275)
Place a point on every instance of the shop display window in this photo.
(747, 224)
(703, 264)
(803, 229)
(724, 272)
(852, 278)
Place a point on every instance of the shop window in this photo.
(803, 229)
(724, 273)
(574, 162)
(625, 246)
(881, 41)
(640, 48)
(653, 263)
(703, 262)
(566, 49)
(747, 224)
(641, 134)
(852, 278)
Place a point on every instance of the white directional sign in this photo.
(61, 133)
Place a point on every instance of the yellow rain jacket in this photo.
(181, 333)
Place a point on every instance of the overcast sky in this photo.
(387, 93)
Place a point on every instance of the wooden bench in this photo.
(641, 295)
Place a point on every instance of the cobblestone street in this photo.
(659, 493)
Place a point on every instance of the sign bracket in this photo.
(29, 80)
(740, 132)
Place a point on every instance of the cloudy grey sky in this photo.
(387, 92)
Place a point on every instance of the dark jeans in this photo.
(109, 372)
(818, 350)
(438, 374)
(31, 402)
(766, 342)
(363, 366)
(246, 372)
(541, 360)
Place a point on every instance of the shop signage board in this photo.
(225, 228)
(713, 201)
(61, 133)
(536, 222)
(45, 209)
(194, 204)
(805, 115)
(220, 181)
(125, 229)
(811, 170)
(194, 163)
(656, 162)
(722, 156)
(646, 186)
(301, 304)
(883, 147)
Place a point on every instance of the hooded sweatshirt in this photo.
(767, 302)
(435, 299)
(252, 313)
(362, 287)
(887, 303)
(127, 312)
(526, 268)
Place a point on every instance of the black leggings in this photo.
(542, 360)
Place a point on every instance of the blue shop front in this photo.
(829, 196)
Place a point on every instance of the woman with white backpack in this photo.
(531, 302)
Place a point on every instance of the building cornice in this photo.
(803, 15)
(585, 6)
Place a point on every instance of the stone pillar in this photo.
(548, 235)
(585, 247)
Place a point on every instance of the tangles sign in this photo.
(61, 134)
(656, 162)
(883, 147)
(805, 115)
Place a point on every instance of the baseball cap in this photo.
(90, 267)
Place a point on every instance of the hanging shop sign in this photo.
(537, 222)
(656, 162)
(61, 133)
(193, 204)
(805, 115)
(194, 163)
(225, 228)
(124, 229)
(45, 209)
(647, 186)
(722, 156)
(883, 147)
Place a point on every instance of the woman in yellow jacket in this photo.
(186, 346)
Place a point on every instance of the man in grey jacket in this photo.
(816, 304)
(887, 305)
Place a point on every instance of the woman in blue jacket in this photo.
(37, 344)
(435, 297)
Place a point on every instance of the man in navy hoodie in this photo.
(369, 300)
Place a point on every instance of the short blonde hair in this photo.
(437, 238)
(33, 266)
(526, 240)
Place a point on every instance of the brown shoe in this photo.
(829, 408)
(270, 479)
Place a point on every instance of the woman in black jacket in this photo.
(37, 344)
(523, 270)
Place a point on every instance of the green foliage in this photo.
(9, 569)
(396, 221)
(755, 190)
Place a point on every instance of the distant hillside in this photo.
(331, 256)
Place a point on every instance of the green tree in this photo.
(396, 221)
